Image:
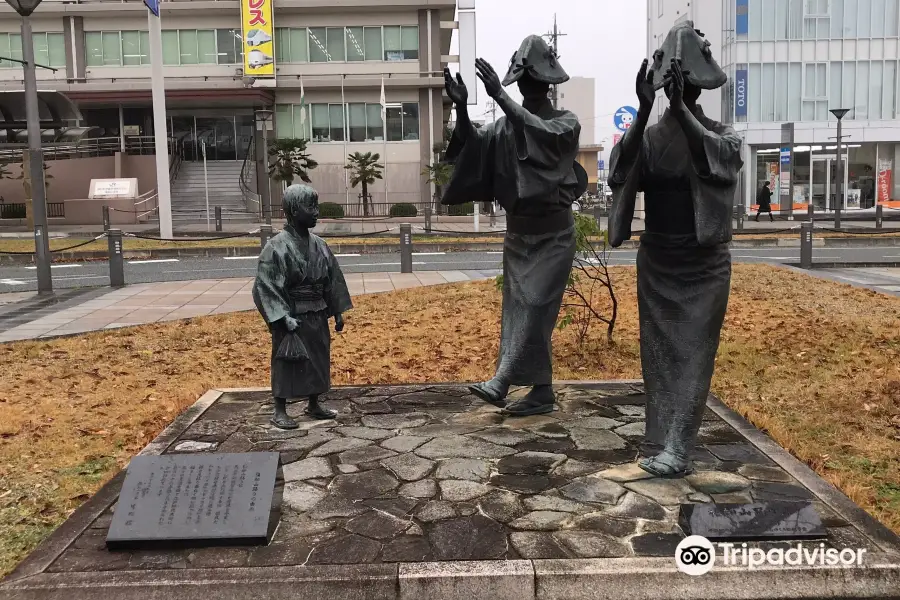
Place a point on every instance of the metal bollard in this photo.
(837, 217)
(879, 216)
(427, 218)
(218, 218)
(116, 259)
(406, 261)
(806, 245)
(265, 234)
(811, 211)
(105, 218)
(739, 217)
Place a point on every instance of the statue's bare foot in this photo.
(321, 414)
(667, 466)
(539, 401)
(283, 421)
(492, 392)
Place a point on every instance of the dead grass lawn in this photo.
(814, 363)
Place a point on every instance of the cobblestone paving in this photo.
(429, 473)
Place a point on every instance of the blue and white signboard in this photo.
(740, 93)
(784, 179)
(601, 164)
(624, 118)
(742, 17)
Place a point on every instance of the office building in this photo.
(332, 63)
(792, 62)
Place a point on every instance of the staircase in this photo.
(189, 193)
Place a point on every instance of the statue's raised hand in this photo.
(644, 88)
(489, 78)
(456, 89)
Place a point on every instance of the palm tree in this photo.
(364, 170)
(288, 159)
(439, 174)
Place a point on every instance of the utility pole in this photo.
(492, 108)
(554, 44)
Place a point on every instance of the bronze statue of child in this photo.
(299, 287)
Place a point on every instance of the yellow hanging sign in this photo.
(258, 38)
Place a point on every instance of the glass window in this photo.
(282, 44)
(781, 92)
(299, 45)
(145, 47)
(862, 91)
(373, 43)
(755, 18)
(768, 98)
(336, 118)
(56, 48)
(878, 9)
(876, 74)
(356, 45)
(4, 51)
(865, 18)
(131, 48)
(796, 20)
(392, 44)
(795, 91)
(187, 46)
(374, 123)
(170, 47)
(888, 90)
(394, 124)
(891, 16)
(410, 121)
(227, 47)
(851, 9)
(357, 122)
(284, 121)
(335, 45)
(409, 42)
(321, 126)
(781, 20)
(112, 48)
(317, 50)
(768, 25)
(835, 98)
(206, 47)
(849, 86)
(837, 19)
(40, 48)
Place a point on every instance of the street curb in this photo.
(339, 248)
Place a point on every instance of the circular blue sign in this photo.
(624, 118)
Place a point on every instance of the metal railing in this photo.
(86, 148)
(18, 210)
(252, 200)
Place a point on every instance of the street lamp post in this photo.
(839, 114)
(35, 154)
(264, 116)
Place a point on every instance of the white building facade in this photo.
(789, 63)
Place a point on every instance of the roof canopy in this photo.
(54, 109)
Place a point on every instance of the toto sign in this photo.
(740, 93)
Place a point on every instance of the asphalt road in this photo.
(91, 274)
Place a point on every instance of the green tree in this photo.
(364, 171)
(288, 159)
(439, 174)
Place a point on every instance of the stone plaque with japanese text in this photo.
(196, 500)
(745, 522)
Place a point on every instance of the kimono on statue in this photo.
(683, 264)
(299, 277)
(526, 162)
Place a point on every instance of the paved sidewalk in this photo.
(28, 317)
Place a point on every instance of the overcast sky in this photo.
(606, 40)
